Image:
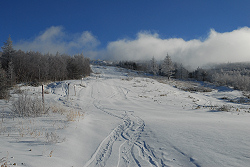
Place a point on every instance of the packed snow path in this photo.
(124, 140)
(109, 93)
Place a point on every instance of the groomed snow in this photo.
(128, 120)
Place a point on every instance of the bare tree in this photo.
(3, 84)
(11, 77)
(35, 67)
(78, 66)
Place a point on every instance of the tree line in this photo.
(236, 75)
(165, 67)
(34, 67)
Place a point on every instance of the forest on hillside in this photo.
(236, 75)
(33, 68)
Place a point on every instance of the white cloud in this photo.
(55, 39)
(217, 48)
(85, 40)
(51, 34)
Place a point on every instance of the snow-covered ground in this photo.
(124, 120)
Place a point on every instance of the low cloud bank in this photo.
(217, 48)
(55, 39)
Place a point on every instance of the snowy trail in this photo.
(131, 121)
(151, 124)
(139, 140)
(125, 144)
(128, 133)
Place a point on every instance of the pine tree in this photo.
(7, 61)
(167, 67)
(7, 54)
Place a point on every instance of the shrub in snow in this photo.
(27, 106)
(52, 137)
(197, 89)
(225, 108)
(71, 115)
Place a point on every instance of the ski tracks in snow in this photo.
(132, 151)
(125, 141)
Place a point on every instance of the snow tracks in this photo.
(124, 146)
(131, 150)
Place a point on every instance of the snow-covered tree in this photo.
(154, 66)
(201, 74)
(167, 67)
(181, 72)
(78, 66)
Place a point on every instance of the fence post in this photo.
(43, 94)
(68, 90)
(75, 89)
(43, 97)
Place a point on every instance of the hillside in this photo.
(117, 118)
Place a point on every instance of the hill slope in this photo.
(131, 121)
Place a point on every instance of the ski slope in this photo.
(132, 121)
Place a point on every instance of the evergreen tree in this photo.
(181, 72)
(201, 74)
(7, 54)
(167, 67)
(154, 66)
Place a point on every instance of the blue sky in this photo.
(104, 23)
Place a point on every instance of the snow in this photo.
(127, 120)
